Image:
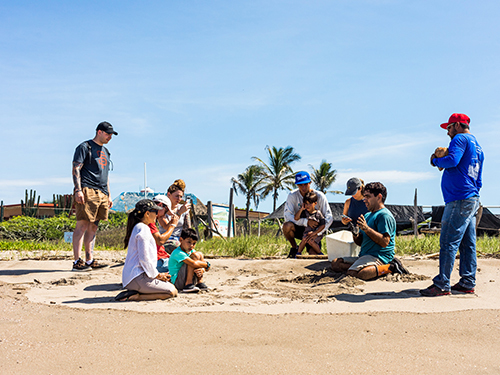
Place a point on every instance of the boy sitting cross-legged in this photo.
(186, 265)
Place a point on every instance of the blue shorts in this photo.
(162, 265)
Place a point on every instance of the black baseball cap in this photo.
(106, 127)
(146, 205)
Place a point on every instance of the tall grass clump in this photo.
(111, 238)
(245, 246)
(28, 245)
(409, 245)
(488, 245)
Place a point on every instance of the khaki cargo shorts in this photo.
(358, 263)
(95, 208)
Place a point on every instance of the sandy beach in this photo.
(274, 316)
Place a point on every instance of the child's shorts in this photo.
(180, 282)
(317, 239)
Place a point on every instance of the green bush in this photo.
(29, 228)
(52, 228)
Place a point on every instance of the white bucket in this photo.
(341, 244)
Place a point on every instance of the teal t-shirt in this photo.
(381, 221)
(176, 261)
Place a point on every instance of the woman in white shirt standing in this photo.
(140, 276)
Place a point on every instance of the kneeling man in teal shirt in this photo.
(375, 233)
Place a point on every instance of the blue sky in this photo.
(196, 88)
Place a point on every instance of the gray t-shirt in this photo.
(95, 159)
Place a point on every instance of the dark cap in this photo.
(352, 186)
(456, 117)
(146, 205)
(106, 127)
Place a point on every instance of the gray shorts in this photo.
(358, 263)
(180, 282)
(146, 285)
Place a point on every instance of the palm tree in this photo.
(278, 174)
(249, 184)
(324, 177)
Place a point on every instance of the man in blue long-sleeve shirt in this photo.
(460, 185)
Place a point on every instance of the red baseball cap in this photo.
(456, 117)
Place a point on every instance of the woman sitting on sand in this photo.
(140, 276)
(355, 206)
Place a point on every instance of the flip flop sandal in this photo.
(125, 295)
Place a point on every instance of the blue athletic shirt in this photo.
(463, 168)
(381, 221)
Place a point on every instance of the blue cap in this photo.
(302, 178)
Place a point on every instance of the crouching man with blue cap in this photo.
(294, 229)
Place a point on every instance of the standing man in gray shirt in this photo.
(292, 228)
(92, 198)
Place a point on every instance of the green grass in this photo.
(28, 245)
(248, 247)
(409, 245)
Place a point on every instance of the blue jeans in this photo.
(458, 232)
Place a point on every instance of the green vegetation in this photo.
(29, 245)
(31, 234)
(245, 246)
(323, 177)
(267, 245)
(249, 183)
(50, 229)
(409, 245)
(278, 174)
(30, 228)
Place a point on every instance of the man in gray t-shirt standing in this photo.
(92, 198)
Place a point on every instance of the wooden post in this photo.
(210, 219)
(415, 216)
(233, 210)
(1, 211)
(479, 215)
(280, 229)
(194, 220)
(230, 218)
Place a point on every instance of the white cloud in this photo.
(393, 176)
(35, 182)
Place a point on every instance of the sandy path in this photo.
(278, 316)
